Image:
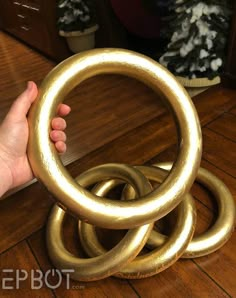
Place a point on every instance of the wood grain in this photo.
(22, 214)
(183, 279)
(220, 151)
(220, 266)
(213, 102)
(18, 67)
(20, 258)
(233, 110)
(225, 126)
(104, 108)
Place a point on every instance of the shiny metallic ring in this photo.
(160, 258)
(125, 251)
(48, 167)
(220, 232)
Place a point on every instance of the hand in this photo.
(14, 165)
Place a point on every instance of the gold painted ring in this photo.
(48, 167)
(160, 258)
(125, 251)
(219, 233)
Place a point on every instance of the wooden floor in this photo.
(116, 119)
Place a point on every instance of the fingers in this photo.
(22, 104)
(57, 136)
(58, 123)
(63, 110)
(60, 146)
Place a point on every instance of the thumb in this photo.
(22, 104)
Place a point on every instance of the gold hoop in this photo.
(220, 232)
(160, 258)
(48, 167)
(125, 251)
(148, 205)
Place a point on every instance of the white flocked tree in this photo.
(198, 32)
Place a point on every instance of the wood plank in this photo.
(104, 108)
(19, 64)
(135, 147)
(219, 151)
(213, 102)
(220, 266)
(22, 214)
(103, 288)
(225, 126)
(20, 258)
(160, 132)
(233, 110)
(183, 279)
(148, 104)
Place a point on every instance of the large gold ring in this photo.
(220, 232)
(125, 251)
(48, 167)
(159, 259)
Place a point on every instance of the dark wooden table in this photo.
(117, 119)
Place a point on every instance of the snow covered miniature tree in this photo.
(199, 32)
(76, 15)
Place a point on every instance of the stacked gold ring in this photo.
(159, 259)
(137, 212)
(112, 261)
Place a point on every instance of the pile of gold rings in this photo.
(141, 203)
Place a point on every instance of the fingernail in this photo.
(29, 85)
